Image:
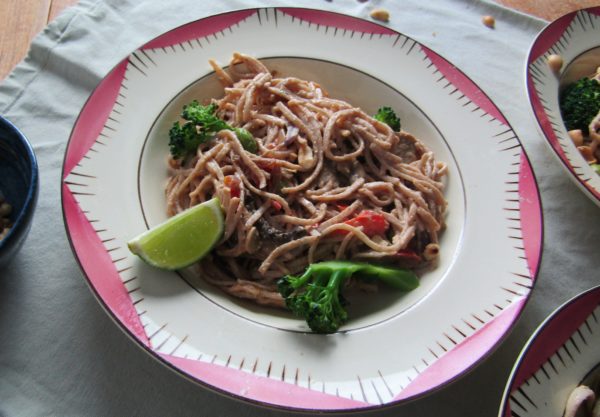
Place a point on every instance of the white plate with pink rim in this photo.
(114, 174)
(561, 353)
(576, 38)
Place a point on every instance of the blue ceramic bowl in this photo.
(19, 186)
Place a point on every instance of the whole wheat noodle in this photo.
(320, 162)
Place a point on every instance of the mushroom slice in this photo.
(291, 134)
(594, 128)
(580, 402)
(306, 159)
(596, 410)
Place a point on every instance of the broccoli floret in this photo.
(317, 297)
(580, 103)
(201, 124)
(204, 116)
(388, 116)
(184, 139)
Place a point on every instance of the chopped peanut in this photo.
(489, 21)
(431, 252)
(576, 136)
(5, 209)
(380, 14)
(5, 224)
(555, 62)
(587, 154)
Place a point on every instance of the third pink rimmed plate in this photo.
(398, 347)
(574, 37)
(558, 357)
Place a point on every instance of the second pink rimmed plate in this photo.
(556, 359)
(575, 37)
(399, 349)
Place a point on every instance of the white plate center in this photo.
(343, 83)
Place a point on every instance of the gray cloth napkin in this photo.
(61, 355)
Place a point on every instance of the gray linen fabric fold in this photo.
(61, 355)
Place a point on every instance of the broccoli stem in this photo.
(337, 279)
(316, 295)
(201, 125)
(287, 286)
(401, 279)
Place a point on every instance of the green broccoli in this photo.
(246, 139)
(201, 125)
(184, 140)
(596, 167)
(316, 295)
(388, 116)
(580, 103)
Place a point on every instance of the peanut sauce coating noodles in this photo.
(322, 181)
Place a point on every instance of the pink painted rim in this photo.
(480, 344)
(465, 85)
(111, 293)
(542, 43)
(554, 331)
(340, 21)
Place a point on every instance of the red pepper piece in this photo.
(276, 205)
(274, 170)
(372, 223)
(233, 183)
(408, 255)
(267, 165)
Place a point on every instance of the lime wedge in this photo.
(183, 239)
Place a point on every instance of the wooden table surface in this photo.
(21, 20)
